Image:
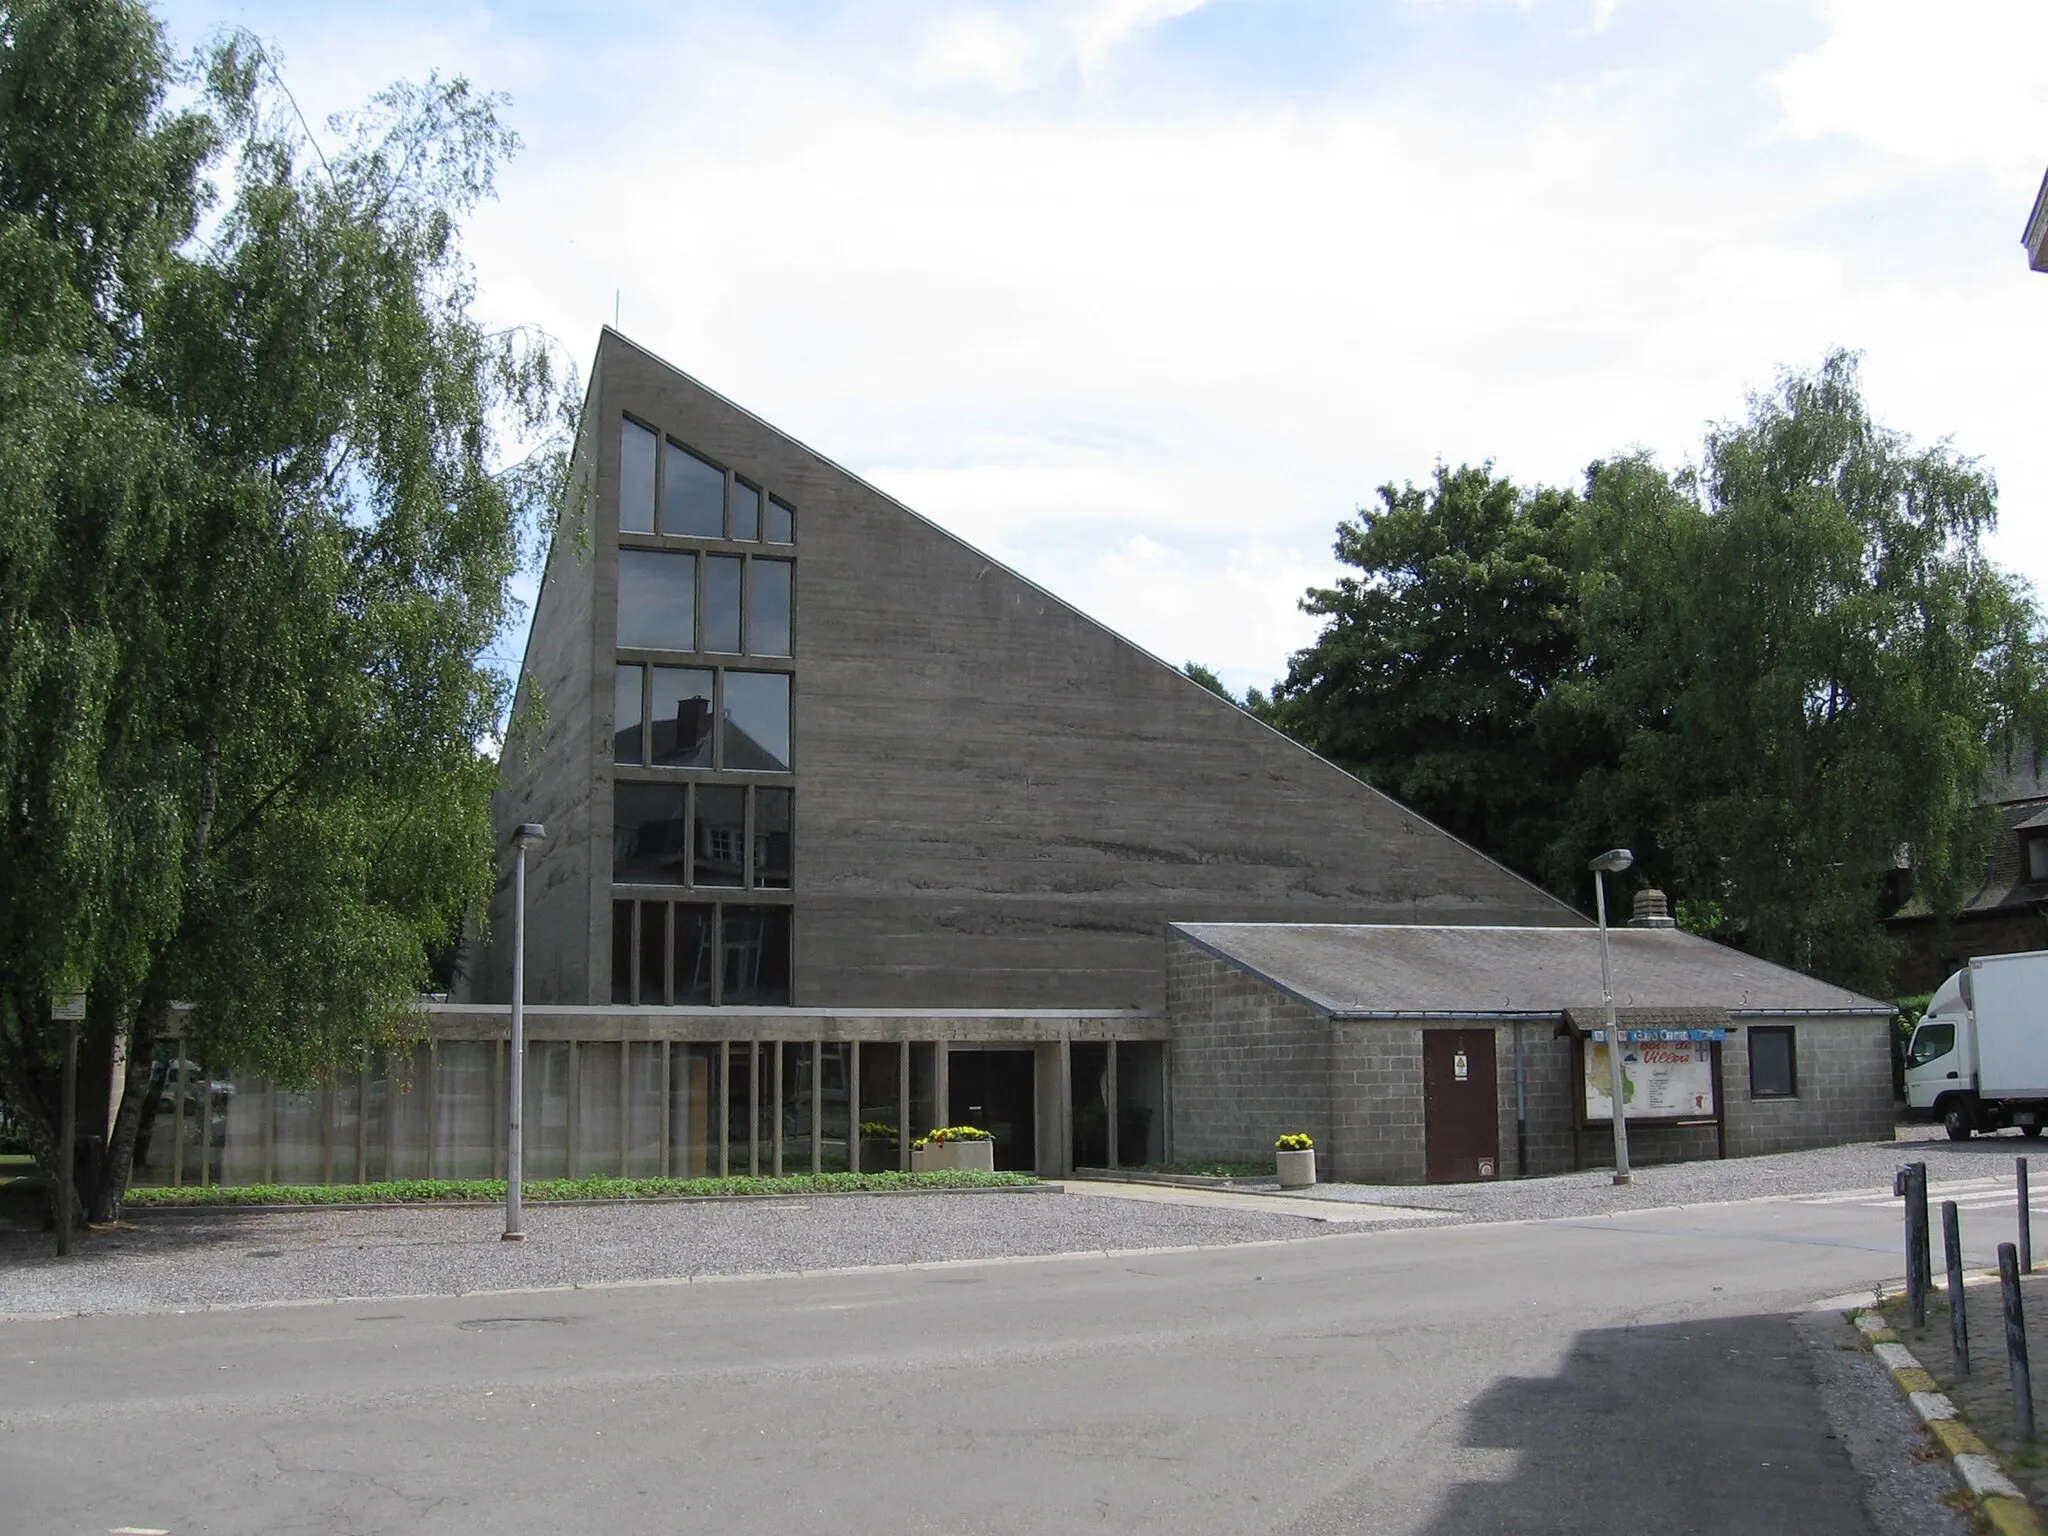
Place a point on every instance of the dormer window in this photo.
(2034, 855)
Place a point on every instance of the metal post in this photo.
(515, 1056)
(1621, 1169)
(67, 1132)
(1958, 1314)
(2026, 1220)
(1916, 1243)
(2016, 1343)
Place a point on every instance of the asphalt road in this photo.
(1600, 1375)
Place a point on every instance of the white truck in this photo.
(1978, 1059)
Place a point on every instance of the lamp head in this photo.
(529, 834)
(1613, 861)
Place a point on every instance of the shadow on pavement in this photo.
(1714, 1426)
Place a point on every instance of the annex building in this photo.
(853, 832)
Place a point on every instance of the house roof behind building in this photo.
(1412, 971)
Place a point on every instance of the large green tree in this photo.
(1778, 677)
(257, 518)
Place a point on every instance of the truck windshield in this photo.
(1930, 1041)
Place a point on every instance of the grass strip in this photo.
(413, 1191)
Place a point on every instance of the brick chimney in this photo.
(1650, 911)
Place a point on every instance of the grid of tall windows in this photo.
(702, 729)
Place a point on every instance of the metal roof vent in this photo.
(1650, 911)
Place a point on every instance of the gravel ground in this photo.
(1869, 1165)
(185, 1259)
(1906, 1480)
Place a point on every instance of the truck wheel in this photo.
(1957, 1121)
(2031, 1132)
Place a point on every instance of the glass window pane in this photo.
(644, 1091)
(746, 510)
(2037, 858)
(757, 720)
(376, 1123)
(544, 1129)
(599, 1140)
(835, 1108)
(693, 954)
(299, 1145)
(772, 838)
(719, 838)
(657, 600)
(692, 1133)
(1141, 1103)
(636, 478)
(693, 499)
(755, 956)
(653, 953)
(722, 602)
(464, 1125)
(739, 1107)
(781, 523)
(647, 834)
(409, 1119)
(768, 612)
(622, 952)
(627, 738)
(1770, 1064)
(881, 1108)
(682, 717)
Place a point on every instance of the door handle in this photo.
(1954, 1075)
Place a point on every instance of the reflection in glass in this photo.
(682, 717)
(768, 612)
(693, 934)
(881, 1106)
(722, 602)
(298, 1153)
(657, 600)
(636, 478)
(376, 1123)
(772, 838)
(644, 1090)
(693, 1132)
(627, 740)
(545, 1128)
(598, 1132)
(653, 953)
(346, 1097)
(754, 949)
(924, 1087)
(1141, 1103)
(757, 720)
(411, 1092)
(647, 834)
(746, 510)
(799, 1078)
(739, 1108)
(622, 952)
(463, 1119)
(781, 523)
(242, 1144)
(693, 501)
(719, 836)
(835, 1107)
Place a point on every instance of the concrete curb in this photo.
(262, 1207)
(1998, 1498)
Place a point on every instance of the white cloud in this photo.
(1964, 83)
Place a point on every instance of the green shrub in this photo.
(413, 1191)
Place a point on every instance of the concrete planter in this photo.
(877, 1156)
(947, 1156)
(1297, 1169)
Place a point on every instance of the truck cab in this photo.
(1941, 1067)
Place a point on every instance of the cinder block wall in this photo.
(1376, 1133)
(1844, 1069)
(1248, 1063)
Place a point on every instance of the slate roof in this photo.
(2004, 887)
(1413, 971)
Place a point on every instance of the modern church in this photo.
(853, 832)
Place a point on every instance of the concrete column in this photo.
(942, 1088)
(1063, 1118)
(1109, 1089)
(853, 1107)
(721, 1085)
(818, 1106)
(667, 1092)
(903, 1103)
(775, 1109)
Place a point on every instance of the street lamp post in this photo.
(1612, 862)
(529, 835)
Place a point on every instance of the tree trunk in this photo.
(34, 1103)
(118, 1166)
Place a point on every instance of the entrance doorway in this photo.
(1460, 1106)
(997, 1091)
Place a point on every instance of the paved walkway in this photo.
(1347, 1211)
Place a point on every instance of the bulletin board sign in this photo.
(1661, 1079)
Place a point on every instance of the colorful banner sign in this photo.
(1660, 1080)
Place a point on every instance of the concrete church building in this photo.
(852, 832)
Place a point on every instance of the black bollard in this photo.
(1958, 1315)
(2016, 1343)
(2026, 1219)
(1917, 1252)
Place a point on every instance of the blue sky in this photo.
(1143, 296)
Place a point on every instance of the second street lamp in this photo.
(1612, 862)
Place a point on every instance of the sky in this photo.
(1143, 297)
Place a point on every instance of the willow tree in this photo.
(258, 514)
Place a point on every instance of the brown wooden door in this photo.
(1460, 1105)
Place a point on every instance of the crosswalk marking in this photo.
(1968, 1194)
